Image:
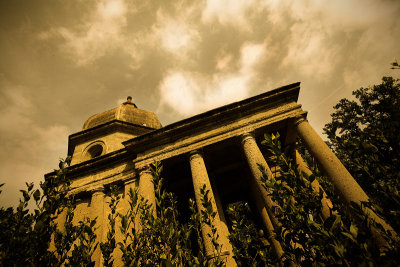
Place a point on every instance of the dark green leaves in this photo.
(25, 235)
(365, 135)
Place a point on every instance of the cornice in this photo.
(94, 164)
(215, 117)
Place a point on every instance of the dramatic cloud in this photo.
(190, 93)
(102, 32)
(176, 34)
(235, 13)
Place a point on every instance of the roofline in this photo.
(98, 162)
(176, 129)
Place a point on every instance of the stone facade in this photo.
(218, 148)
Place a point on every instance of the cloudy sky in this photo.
(63, 61)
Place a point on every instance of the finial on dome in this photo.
(129, 102)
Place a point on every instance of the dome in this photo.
(126, 112)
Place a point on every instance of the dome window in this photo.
(94, 150)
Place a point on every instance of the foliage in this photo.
(249, 246)
(365, 135)
(305, 237)
(147, 240)
(208, 218)
(162, 239)
(75, 245)
(25, 237)
(85, 245)
(195, 226)
(173, 236)
(129, 244)
(108, 247)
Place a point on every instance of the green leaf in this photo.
(349, 236)
(36, 195)
(354, 230)
(328, 224)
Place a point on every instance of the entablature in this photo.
(232, 120)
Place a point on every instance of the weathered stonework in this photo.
(117, 146)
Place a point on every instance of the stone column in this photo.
(325, 201)
(254, 158)
(146, 187)
(266, 220)
(345, 185)
(200, 178)
(218, 202)
(97, 210)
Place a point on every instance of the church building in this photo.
(219, 148)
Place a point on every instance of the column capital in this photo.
(299, 119)
(247, 136)
(143, 169)
(195, 153)
(96, 190)
(130, 181)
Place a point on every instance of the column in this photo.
(200, 178)
(218, 202)
(97, 210)
(266, 220)
(146, 187)
(255, 157)
(345, 185)
(326, 203)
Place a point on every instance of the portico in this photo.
(219, 149)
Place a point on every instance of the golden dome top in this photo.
(126, 112)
